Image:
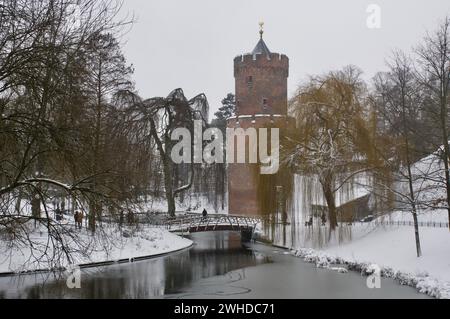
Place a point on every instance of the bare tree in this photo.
(398, 91)
(434, 59)
(108, 73)
(41, 102)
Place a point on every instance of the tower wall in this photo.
(261, 102)
(261, 84)
(245, 192)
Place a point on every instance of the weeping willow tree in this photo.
(333, 140)
(275, 207)
(160, 117)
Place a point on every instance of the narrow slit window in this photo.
(250, 81)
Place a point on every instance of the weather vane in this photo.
(261, 28)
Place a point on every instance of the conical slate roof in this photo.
(261, 48)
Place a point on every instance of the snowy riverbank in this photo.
(393, 250)
(144, 242)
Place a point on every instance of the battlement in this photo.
(261, 83)
(261, 61)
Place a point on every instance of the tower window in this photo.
(250, 81)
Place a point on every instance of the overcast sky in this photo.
(191, 44)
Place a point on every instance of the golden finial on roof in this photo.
(261, 28)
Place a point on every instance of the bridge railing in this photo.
(212, 222)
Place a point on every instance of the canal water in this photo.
(218, 266)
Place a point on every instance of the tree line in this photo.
(74, 129)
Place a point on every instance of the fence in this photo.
(409, 223)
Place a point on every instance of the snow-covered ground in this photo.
(108, 245)
(146, 241)
(379, 242)
(423, 216)
(393, 249)
(192, 204)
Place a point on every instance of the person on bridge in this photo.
(205, 213)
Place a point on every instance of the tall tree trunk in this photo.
(416, 232)
(413, 203)
(327, 187)
(446, 156)
(169, 187)
(92, 212)
(167, 167)
(94, 206)
(410, 177)
(332, 211)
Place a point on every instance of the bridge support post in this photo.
(246, 235)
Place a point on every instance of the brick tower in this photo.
(261, 102)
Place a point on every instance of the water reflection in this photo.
(214, 254)
(217, 267)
